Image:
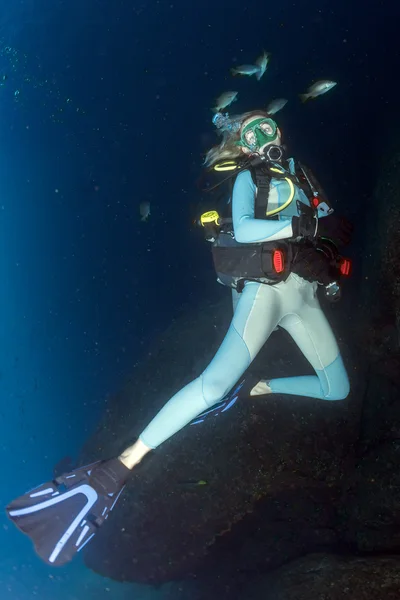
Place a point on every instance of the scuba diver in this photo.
(274, 244)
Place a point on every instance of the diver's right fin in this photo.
(222, 406)
(61, 516)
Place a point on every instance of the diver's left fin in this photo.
(63, 515)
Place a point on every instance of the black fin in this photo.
(61, 516)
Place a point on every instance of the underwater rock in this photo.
(286, 476)
(370, 507)
(278, 452)
(330, 577)
(371, 501)
(380, 285)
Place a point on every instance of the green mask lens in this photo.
(258, 133)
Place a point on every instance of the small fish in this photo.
(262, 63)
(191, 483)
(224, 100)
(144, 210)
(276, 105)
(317, 89)
(245, 70)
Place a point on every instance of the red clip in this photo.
(278, 260)
(315, 201)
(345, 267)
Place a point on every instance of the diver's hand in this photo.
(313, 265)
(336, 228)
(305, 225)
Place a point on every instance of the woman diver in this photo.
(265, 297)
(261, 307)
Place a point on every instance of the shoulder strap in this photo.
(262, 179)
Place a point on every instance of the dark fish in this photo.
(317, 89)
(246, 70)
(262, 64)
(276, 105)
(192, 483)
(144, 210)
(224, 100)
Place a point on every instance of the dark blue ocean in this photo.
(105, 105)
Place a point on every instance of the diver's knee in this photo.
(340, 390)
(214, 389)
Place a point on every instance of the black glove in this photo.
(336, 228)
(313, 265)
(306, 224)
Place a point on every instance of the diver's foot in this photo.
(261, 388)
(134, 454)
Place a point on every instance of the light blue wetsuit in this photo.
(258, 310)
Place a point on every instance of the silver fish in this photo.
(317, 89)
(276, 105)
(224, 100)
(245, 70)
(262, 63)
(144, 209)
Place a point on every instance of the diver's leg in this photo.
(134, 454)
(256, 316)
(235, 299)
(312, 333)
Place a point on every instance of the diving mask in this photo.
(258, 133)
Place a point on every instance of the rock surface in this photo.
(286, 477)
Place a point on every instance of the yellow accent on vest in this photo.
(210, 217)
(228, 165)
(291, 195)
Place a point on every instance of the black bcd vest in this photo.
(267, 262)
